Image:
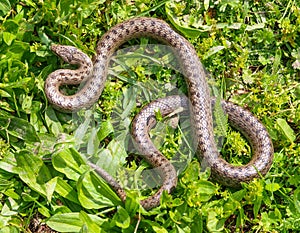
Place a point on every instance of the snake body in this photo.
(199, 103)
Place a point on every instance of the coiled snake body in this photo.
(199, 102)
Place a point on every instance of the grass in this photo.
(251, 48)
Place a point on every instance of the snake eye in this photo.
(69, 57)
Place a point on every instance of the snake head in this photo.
(67, 53)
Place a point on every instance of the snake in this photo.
(199, 102)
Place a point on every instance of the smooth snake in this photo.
(199, 103)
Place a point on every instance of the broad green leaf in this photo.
(33, 171)
(4, 93)
(6, 183)
(94, 193)
(8, 167)
(167, 200)
(196, 32)
(44, 38)
(5, 6)
(30, 3)
(207, 187)
(90, 224)
(239, 195)
(50, 187)
(9, 229)
(93, 142)
(66, 191)
(112, 157)
(9, 208)
(4, 220)
(68, 161)
(221, 120)
(286, 129)
(28, 197)
(200, 191)
(180, 230)
(87, 8)
(18, 48)
(8, 38)
(297, 200)
(230, 207)
(20, 128)
(131, 203)
(213, 223)
(52, 122)
(206, 4)
(257, 205)
(122, 218)
(272, 187)
(197, 225)
(188, 32)
(129, 101)
(18, 84)
(82, 129)
(159, 229)
(106, 129)
(71, 222)
(192, 172)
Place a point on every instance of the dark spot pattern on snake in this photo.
(198, 101)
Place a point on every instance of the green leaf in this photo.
(272, 187)
(106, 129)
(213, 51)
(8, 38)
(131, 203)
(66, 191)
(257, 205)
(213, 223)
(188, 32)
(9, 229)
(129, 101)
(159, 229)
(30, 3)
(20, 128)
(52, 122)
(255, 27)
(286, 129)
(33, 171)
(112, 157)
(71, 222)
(50, 187)
(192, 172)
(8, 167)
(68, 161)
(206, 4)
(5, 6)
(122, 218)
(239, 195)
(28, 197)
(296, 201)
(276, 61)
(44, 38)
(82, 129)
(89, 223)
(94, 193)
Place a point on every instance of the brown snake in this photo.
(94, 76)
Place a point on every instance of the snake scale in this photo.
(199, 103)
